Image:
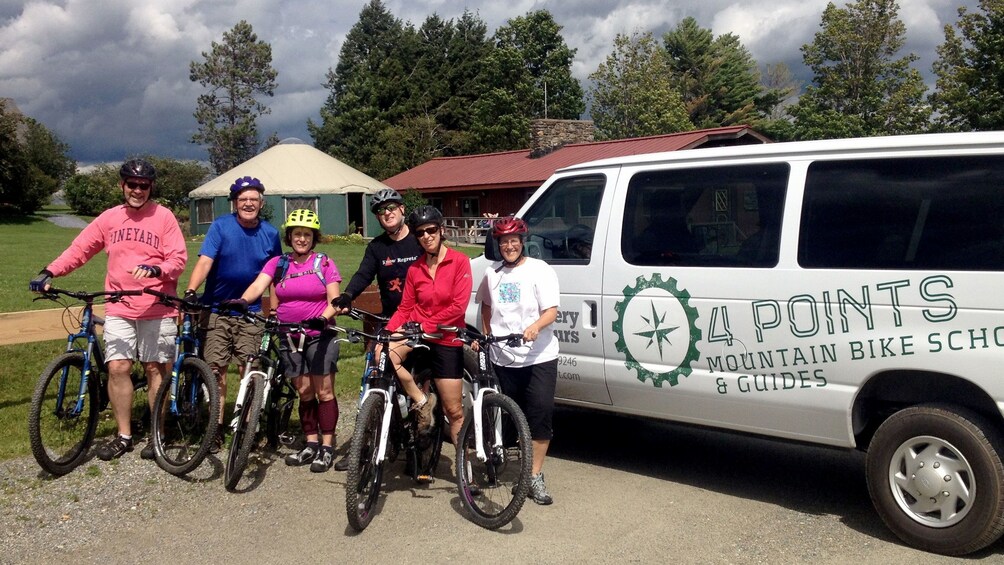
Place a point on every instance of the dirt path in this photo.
(39, 325)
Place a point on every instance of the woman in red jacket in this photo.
(437, 288)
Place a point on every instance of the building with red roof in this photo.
(499, 183)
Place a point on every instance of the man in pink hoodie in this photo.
(145, 248)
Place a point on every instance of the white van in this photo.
(847, 293)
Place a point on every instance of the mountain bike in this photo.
(264, 393)
(73, 389)
(384, 424)
(495, 458)
(186, 410)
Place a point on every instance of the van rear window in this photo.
(705, 216)
(944, 213)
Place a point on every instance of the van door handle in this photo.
(590, 313)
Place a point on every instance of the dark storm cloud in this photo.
(111, 77)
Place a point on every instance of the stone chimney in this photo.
(548, 135)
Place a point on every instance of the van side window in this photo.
(943, 213)
(725, 216)
(563, 221)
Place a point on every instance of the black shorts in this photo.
(446, 362)
(532, 388)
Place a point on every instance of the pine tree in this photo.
(236, 72)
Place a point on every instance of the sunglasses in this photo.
(430, 231)
(386, 208)
(138, 185)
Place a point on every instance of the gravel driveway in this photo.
(626, 491)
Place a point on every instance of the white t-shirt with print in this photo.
(517, 297)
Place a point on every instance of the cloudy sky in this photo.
(110, 77)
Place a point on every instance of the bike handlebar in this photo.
(88, 297)
(469, 336)
(180, 303)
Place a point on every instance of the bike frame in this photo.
(87, 323)
(389, 391)
(483, 385)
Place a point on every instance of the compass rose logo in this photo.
(656, 330)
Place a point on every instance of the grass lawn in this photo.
(29, 244)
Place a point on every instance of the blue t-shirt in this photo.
(238, 255)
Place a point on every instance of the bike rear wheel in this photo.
(428, 447)
(493, 491)
(182, 436)
(365, 474)
(59, 435)
(244, 436)
(279, 408)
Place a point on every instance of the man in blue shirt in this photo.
(233, 253)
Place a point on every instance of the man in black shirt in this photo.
(387, 257)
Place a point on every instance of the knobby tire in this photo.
(244, 435)
(503, 481)
(183, 437)
(60, 442)
(362, 486)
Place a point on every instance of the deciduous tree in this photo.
(633, 94)
(969, 95)
(859, 85)
(236, 72)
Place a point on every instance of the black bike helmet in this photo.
(383, 196)
(245, 183)
(137, 169)
(425, 215)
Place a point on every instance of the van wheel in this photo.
(936, 478)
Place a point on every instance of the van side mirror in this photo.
(492, 252)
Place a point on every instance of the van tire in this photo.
(920, 453)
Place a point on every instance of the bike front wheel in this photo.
(63, 415)
(493, 490)
(362, 486)
(183, 431)
(244, 435)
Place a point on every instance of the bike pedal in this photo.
(425, 479)
(287, 439)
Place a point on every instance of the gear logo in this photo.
(656, 330)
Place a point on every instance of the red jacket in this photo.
(432, 302)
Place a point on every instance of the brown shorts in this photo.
(228, 339)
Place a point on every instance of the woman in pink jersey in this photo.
(305, 282)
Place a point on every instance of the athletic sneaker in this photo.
(424, 413)
(148, 451)
(217, 444)
(304, 456)
(538, 490)
(343, 463)
(323, 461)
(114, 448)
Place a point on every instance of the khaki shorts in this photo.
(228, 339)
(140, 340)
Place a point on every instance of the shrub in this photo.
(86, 195)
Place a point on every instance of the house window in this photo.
(204, 211)
(436, 203)
(470, 207)
(291, 204)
